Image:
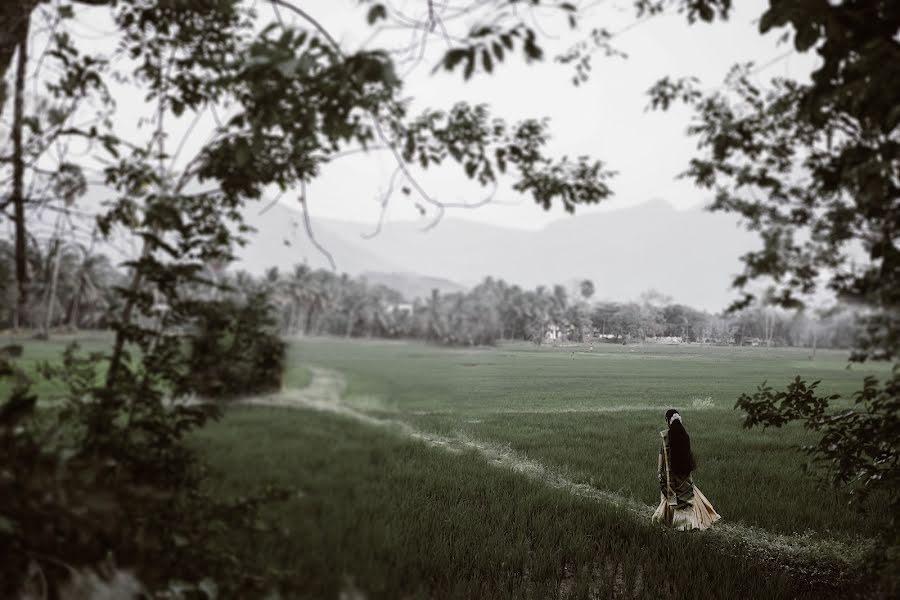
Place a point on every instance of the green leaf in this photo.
(56, 116)
(774, 17)
(532, 51)
(109, 143)
(375, 13)
(486, 59)
(470, 63)
(453, 58)
(806, 37)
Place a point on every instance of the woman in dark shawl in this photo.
(682, 505)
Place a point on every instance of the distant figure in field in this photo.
(682, 505)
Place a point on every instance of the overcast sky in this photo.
(604, 118)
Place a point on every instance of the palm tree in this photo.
(95, 278)
(587, 289)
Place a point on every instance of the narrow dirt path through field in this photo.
(327, 386)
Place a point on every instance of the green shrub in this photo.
(235, 350)
(106, 475)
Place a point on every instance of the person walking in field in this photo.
(682, 505)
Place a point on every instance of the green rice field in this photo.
(527, 472)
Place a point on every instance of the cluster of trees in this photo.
(75, 288)
(321, 302)
(70, 285)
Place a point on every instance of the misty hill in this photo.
(413, 285)
(691, 255)
(281, 241)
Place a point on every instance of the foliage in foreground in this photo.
(81, 487)
(295, 102)
(814, 169)
(859, 447)
(235, 350)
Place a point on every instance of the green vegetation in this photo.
(315, 302)
(110, 475)
(297, 376)
(235, 350)
(837, 133)
(519, 377)
(38, 351)
(399, 517)
(394, 518)
(594, 415)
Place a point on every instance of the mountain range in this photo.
(690, 255)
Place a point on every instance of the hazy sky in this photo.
(604, 118)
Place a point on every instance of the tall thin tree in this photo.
(18, 196)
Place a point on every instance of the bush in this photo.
(106, 474)
(235, 350)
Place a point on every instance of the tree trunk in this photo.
(18, 198)
(350, 322)
(72, 312)
(51, 295)
(292, 319)
(307, 326)
(115, 359)
(14, 18)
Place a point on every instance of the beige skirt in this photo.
(697, 514)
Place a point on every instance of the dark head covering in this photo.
(679, 445)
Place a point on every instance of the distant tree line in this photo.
(76, 287)
(321, 302)
(70, 286)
